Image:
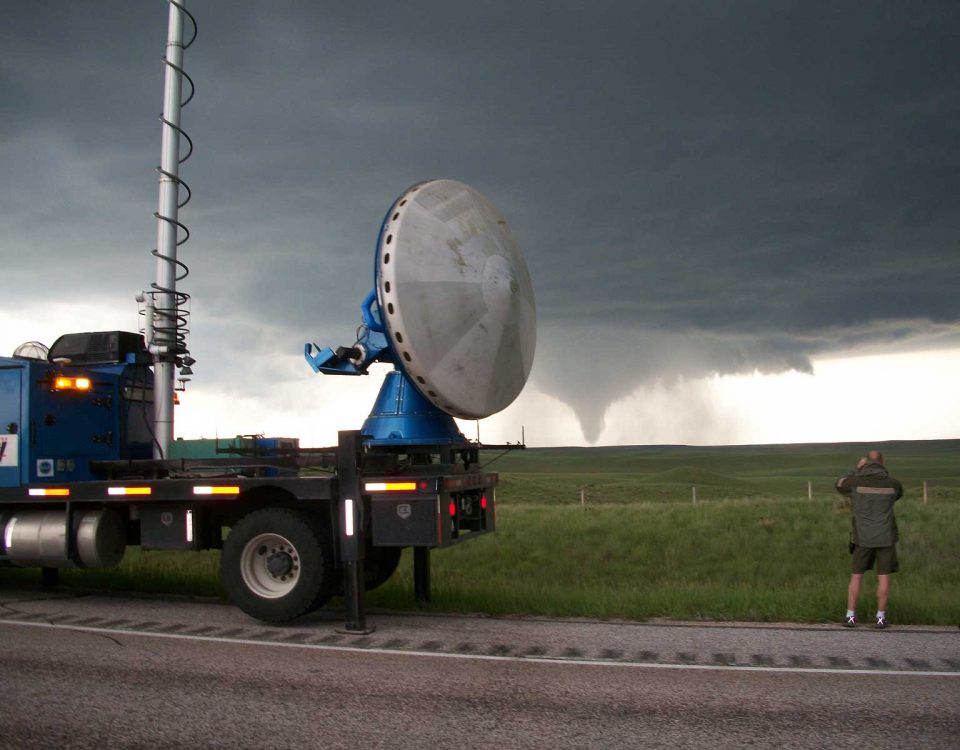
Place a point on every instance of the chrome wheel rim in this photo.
(270, 566)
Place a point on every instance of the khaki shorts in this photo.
(865, 557)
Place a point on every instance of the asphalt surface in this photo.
(98, 671)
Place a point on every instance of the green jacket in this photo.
(872, 492)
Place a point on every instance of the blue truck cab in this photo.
(89, 400)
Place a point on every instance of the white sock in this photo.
(881, 614)
(851, 613)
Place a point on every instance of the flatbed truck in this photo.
(78, 485)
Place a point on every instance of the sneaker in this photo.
(881, 623)
(850, 622)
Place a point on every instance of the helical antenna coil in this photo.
(175, 318)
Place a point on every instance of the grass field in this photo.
(614, 533)
(668, 473)
(753, 560)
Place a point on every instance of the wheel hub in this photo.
(279, 563)
(270, 565)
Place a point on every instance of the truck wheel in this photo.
(277, 564)
(379, 565)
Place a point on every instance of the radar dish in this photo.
(32, 350)
(456, 299)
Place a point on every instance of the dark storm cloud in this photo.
(702, 187)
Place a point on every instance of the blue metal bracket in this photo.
(370, 347)
(370, 320)
(327, 361)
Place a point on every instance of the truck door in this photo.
(10, 425)
(75, 427)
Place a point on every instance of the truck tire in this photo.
(277, 564)
(379, 565)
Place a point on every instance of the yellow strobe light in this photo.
(64, 383)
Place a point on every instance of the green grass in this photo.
(753, 548)
(152, 572)
(668, 473)
(744, 559)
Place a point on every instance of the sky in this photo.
(740, 218)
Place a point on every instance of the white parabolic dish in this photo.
(455, 298)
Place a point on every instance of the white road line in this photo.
(484, 657)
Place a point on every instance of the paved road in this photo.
(114, 672)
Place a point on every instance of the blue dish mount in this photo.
(401, 414)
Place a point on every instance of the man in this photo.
(872, 492)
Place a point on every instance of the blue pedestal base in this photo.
(402, 416)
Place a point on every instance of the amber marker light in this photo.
(64, 383)
(217, 490)
(390, 487)
(129, 490)
(49, 492)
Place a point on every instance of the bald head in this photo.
(875, 456)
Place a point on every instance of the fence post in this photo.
(694, 488)
(809, 490)
(583, 497)
(924, 491)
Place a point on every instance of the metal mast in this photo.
(165, 317)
